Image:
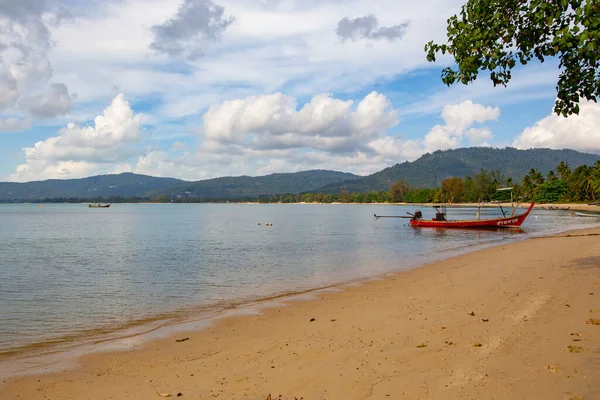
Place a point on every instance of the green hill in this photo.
(251, 187)
(133, 185)
(124, 185)
(429, 170)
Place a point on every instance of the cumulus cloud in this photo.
(55, 100)
(457, 119)
(185, 34)
(367, 27)
(24, 63)
(273, 133)
(579, 132)
(77, 150)
(273, 122)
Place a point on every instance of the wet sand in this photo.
(507, 322)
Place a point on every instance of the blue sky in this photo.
(195, 89)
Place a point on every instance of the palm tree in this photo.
(596, 178)
(528, 186)
(580, 182)
(563, 170)
(536, 176)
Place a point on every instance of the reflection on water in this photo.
(67, 271)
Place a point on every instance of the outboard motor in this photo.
(418, 215)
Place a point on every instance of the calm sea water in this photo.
(69, 273)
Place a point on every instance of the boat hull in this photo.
(587, 215)
(508, 222)
(106, 206)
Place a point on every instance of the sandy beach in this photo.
(515, 321)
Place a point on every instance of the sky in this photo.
(196, 89)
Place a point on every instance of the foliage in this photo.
(454, 189)
(496, 35)
(551, 191)
(398, 191)
(421, 195)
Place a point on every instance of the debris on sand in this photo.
(553, 368)
(421, 345)
(593, 321)
(575, 349)
(182, 340)
(163, 394)
(477, 345)
(472, 314)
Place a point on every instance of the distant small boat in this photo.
(587, 215)
(98, 205)
(555, 208)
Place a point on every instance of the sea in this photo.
(72, 275)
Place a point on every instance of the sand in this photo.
(493, 324)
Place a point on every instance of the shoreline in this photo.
(280, 303)
(49, 358)
(46, 356)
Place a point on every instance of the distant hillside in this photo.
(427, 171)
(252, 187)
(431, 169)
(130, 185)
(125, 185)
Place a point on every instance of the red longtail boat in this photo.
(440, 220)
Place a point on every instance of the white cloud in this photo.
(579, 132)
(77, 151)
(196, 22)
(460, 116)
(24, 64)
(479, 136)
(273, 133)
(55, 100)
(290, 47)
(250, 80)
(457, 118)
(273, 121)
(37, 170)
(14, 124)
(367, 27)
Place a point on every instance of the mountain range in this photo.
(427, 171)
(432, 168)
